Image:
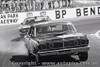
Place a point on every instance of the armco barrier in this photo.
(65, 13)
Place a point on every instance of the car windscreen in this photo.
(54, 29)
(32, 21)
(29, 22)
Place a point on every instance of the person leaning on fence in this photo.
(0, 7)
(46, 6)
(42, 5)
(64, 3)
(11, 6)
(56, 4)
(33, 5)
(69, 3)
(60, 4)
(7, 8)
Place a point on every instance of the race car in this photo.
(56, 38)
(23, 29)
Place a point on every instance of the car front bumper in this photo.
(64, 51)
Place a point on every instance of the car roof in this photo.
(36, 18)
(54, 22)
(29, 18)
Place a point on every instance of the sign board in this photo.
(66, 13)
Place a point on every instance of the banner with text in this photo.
(66, 13)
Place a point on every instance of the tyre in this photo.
(37, 57)
(38, 60)
(83, 56)
(29, 54)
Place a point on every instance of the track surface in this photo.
(11, 44)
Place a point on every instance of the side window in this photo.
(65, 28)
(31, 21)
(71, 28)
(26, 22)
(31, 31)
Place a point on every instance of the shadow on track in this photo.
(25, 61)
(17, 39)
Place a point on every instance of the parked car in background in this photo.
(23, 29)
(56, 38)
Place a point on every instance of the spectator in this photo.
(52, 4)
(7, 9)
(69, 3)
(60, 2)
(15, 2)
(33, 5)
(0, 7)
(56, 5)
(30, 5)
(11, 5)
(64, 3)
(42, 5)
(46, 6)
(27, 5)
(3, 5)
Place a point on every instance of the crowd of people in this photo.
(13, 6)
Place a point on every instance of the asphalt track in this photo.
(14, 54)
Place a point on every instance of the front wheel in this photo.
(37, 56)
(38, 60)
(83, 56)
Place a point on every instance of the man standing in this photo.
(56, 5)
(60, 2)
(70, 3)
(33, 5)
(64, 3)
(46, 6)
(0, 7)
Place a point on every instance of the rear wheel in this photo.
(83, 56)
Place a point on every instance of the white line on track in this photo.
(97, 34)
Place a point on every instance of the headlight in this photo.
(43, 46)
(84, 41)
(50, 46)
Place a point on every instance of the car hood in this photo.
(52, 38)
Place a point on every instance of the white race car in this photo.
(23, 29)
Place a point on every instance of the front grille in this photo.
(51, 46)
(82, 41)
(65, 44)
(72, 43)
(69, 44)
(58, 45)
